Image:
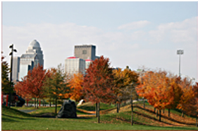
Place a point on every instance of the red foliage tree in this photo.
(31, 86)
(98, 82)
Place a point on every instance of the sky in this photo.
(134, 34)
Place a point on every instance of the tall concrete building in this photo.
(74, 65)
(30, 59)
(15, 69)
(85, 52)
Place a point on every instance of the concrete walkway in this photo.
(26, 111)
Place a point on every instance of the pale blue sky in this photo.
(129, 33)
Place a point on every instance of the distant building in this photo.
(84, 55)
(74, 65)
(15, 69)
(85, 51)
(34, 48)
(30, 59)
(87, 63)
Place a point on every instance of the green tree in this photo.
(55, 86)
(6, 85)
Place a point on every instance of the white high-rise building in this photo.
(87, 63)
(34, 48)
(74, 65)
(30, 59)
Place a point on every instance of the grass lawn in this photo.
(13, 119)
(45, 110)
(91, 107)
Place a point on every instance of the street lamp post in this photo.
(11, 63)
(179, 52)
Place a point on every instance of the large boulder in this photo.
(68, 110)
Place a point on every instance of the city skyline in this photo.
(128, 33)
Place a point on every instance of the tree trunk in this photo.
(197, 121)
(43, 102)
(163, 111)
(159, 115)
(50, 102)
(154, 109)
(96, 112)
(56, 106)
(98, 120)
(35, 102)
(182, 114)
(143, 103)
(131, 112)
(118, 107)
(168, 112)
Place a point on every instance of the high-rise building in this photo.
(15, 68)
(85, 52)
(30, 59)
(74, 65)
(34, 48)
(87, 63)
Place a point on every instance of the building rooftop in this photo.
(88, 60)
(34, 43)
(72, 57)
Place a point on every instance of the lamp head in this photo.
(11, 46)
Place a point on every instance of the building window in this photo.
(84, 52)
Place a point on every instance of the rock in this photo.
(68, 110)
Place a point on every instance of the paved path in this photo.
(26, 111)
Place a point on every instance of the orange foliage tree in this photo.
(177, 92)
(189, 99)
(158, 89)
(76, 85)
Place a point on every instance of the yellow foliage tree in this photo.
(76, 85)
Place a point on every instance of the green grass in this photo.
(43, 110)
(91, 107)
(13, 119)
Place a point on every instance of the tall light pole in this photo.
(11, 63)
(179, 52)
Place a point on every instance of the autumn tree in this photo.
(76, 86)
(189, 100)
(21, 89)
(55, 85)
(98, 83)
(158, 89)
(176, 92)
(122, 81)
(32, 84)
